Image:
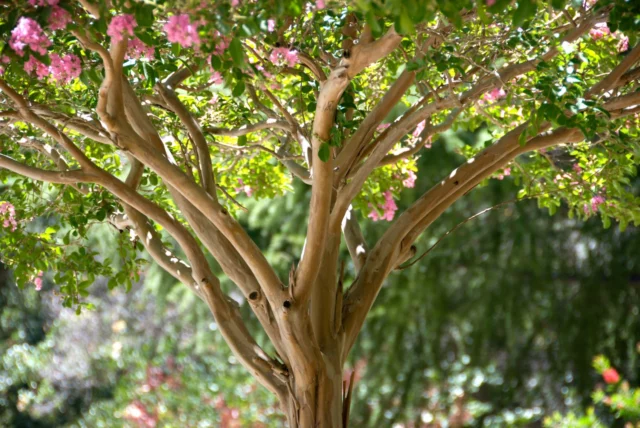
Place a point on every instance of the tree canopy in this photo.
(161, 118)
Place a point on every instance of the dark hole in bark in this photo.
(253, 295)
(287, 304)
(456, 182)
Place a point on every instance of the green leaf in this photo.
(238, 89)
(526, 9)
(242, 140)
(235, 48)
(216, 63)
(324, 152)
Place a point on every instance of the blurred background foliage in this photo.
(497, 326)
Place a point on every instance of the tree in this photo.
(157, 117)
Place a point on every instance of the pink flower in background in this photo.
(596, 201)
(8, 210)
(137, 49)
(33, 64)
(281, 55)
(222, 44)
(623, 46)
(389, 208)
(121, 25)
(216, 78)
(410, 181)
(59, 18)
(3, 60)
(599, 31)
(419, 129)
(577, 168)
(271, 25)
(505, 173)
(491, 2)
(244, 188)
(265, 72)
(66, 68)
(320, 4)
(427, 144)
(493, 95)
(383, 126)
(28, 33)
(180, 30)
(38, 281)
(235, 3)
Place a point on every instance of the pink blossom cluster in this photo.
(493, 95)
(3, 60)
(43, 2)
(28, 33)
(38, 281)
(383, 126)
(599, 31)
(506, 172)
(222, 43)
(59, 18)
(244, 188)
(181, 30)
(271, 25)
(121, 25)
(40, 68)
(137, 49)
(216, 78)
(65, 69)
(595, 202)
(389, 208)
(9, 211)
(280, 56)
(577, 168)
(410, 181)
(320, 4)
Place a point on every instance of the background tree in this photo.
(137, 142)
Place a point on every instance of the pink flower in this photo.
(59, 18)
(596, 201)
(599, 31)
(8, 210)
(419, 129)
(623, 46)
(235, 3)
(38, 281)
(3, 60)
(271, 25)
(427, 144)
(65, 69)
(493, 95)
(33, 64)
(611, 376)
(320, 4)
(121, 25)
(244, 188)
(137, 49)
(491, 2)
(281, 55)
(410, 181)
(577, 168)
(265, 72)
(389, 208)
(216, 78)
(29, 33)
(180, 30)
(383, 126)
(222, 43)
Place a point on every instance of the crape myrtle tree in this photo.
(159, 118)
